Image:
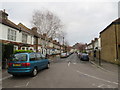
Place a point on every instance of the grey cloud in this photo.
(83, 21)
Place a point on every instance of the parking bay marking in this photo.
(74, 63)
(19, 86)
(5, 77)
(97, 78)
(27, 84)
(68, 64)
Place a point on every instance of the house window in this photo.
(26, 48)
(22, 48)
(24, 38)
(11, 34)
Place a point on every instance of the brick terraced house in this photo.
(23, 38)
(110, 42)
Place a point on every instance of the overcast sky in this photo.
(83, 20)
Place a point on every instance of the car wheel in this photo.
(34, 72)
(48, 66)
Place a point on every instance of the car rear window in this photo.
(19, 57)
(63, 54)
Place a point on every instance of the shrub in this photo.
(84, 52)
(22, 51)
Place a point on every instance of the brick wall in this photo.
(108, 44)
(118, 37)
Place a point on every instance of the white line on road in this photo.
(27, 84)
(74, 63)
(5, 77)
(68, 64)
(97, 78)
(101, 85)
(19, 86)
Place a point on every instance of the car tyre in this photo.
(34, 72)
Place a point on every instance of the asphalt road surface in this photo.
(68, 72)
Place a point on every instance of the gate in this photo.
(7, 50)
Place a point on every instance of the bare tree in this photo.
(60, 37)
(48, 23)
(80, 46)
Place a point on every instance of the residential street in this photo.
(67, 73)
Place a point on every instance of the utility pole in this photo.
(63, 44)
(99, 57)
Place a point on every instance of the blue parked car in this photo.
(84, 57)
(27, 63)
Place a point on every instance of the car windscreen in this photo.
(19, 57)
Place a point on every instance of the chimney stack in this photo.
(34, 29)
(3, 14)
(4, 10)
(44, 34)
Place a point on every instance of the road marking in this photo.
(68, 64)
(101, 85)
(105, 86)
(27, 84)
(5, 77)
(97, 78)
(19, 86)
(74, 63)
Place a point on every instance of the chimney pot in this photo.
(3, 10)
(34, 29)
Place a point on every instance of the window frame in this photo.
(34, 58)
(24, 37)
(11, 34)
(40, 58)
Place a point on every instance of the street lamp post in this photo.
(63, 44)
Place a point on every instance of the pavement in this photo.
(105, 65)
(68, 72)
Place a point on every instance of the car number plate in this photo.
(16, 64)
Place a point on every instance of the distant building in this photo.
(94, 48)
(79, 47)
(110, 42)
